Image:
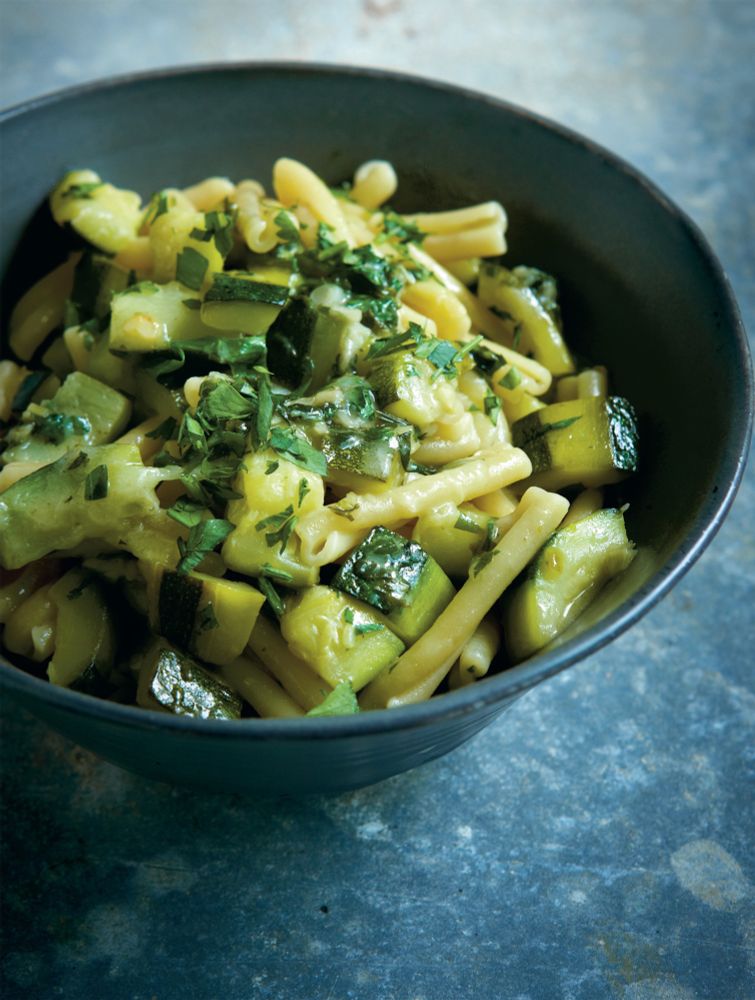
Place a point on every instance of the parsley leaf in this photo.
(492, 406)
(187, 511)
(511, 379)
(191, 267)
(203, 538)
(96, 483)
(82, 190)
(282, 524)
(340, 701)
(298, 450)
(400, 229)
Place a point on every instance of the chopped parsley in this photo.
(298, 450)
(191, 267)
(368, 627)
(83, 190)
(96, 483)
(206, 619)
(340, 701)
(511, 379)
(281, 525)
(203, 538)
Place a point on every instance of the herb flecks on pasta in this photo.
(296, 453)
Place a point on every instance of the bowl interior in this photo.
(641, 292)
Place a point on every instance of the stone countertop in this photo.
(595, 841)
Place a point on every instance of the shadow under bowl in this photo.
(641, 291)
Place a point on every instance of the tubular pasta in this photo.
(425, 663)
(324, 537)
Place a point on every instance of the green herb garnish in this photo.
(96, 483)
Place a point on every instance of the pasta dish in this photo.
(296, 453)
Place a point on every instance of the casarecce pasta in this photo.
(295, 453)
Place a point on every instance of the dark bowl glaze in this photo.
(642, 293)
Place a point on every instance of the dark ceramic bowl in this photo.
(642, 293)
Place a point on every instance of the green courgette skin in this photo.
(178, 602)
(382, 571)
(590, 441)
(397, 577)
(228, 288)
(179, 685)
(288, 341)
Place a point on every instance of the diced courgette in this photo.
(246, 301)
(563, 579)
(49, 510)
(170, 681)
(209, 617)
(84, 633)
(526, 298)
(403, 387)
(105, 215)
(148, 317)
(342, 639)
(367, 460)
(82, 412)
(589, 441)
(272, 500)
(454, 536)
(397, 577)
(309, 341)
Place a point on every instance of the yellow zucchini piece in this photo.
(342, 639)
(147, 317)
(271, 489)
(170, 681)
(590, 441)
(249, 301)
(403, 387)
(453, 535)
(85, 633)
(512, 295)
(208, 617)
(564, 577)
(107, 216)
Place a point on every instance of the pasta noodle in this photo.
(429, 659)
(263, 453)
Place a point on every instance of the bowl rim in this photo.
(501, 688)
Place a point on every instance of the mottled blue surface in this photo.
(594, 842)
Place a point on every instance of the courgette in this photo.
(454, 536)
(49, 510)
(589, 441)
(209, 617)
(367, 460)
(397, 577)
(526, 299)
(342, 639)
(83, 412)
(403, 387)
(275, 493)
(170, 681)
(148, 317)
(247, 301)
(312, 342)
(564, 577)
(85, 632)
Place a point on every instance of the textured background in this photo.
(596, 841)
